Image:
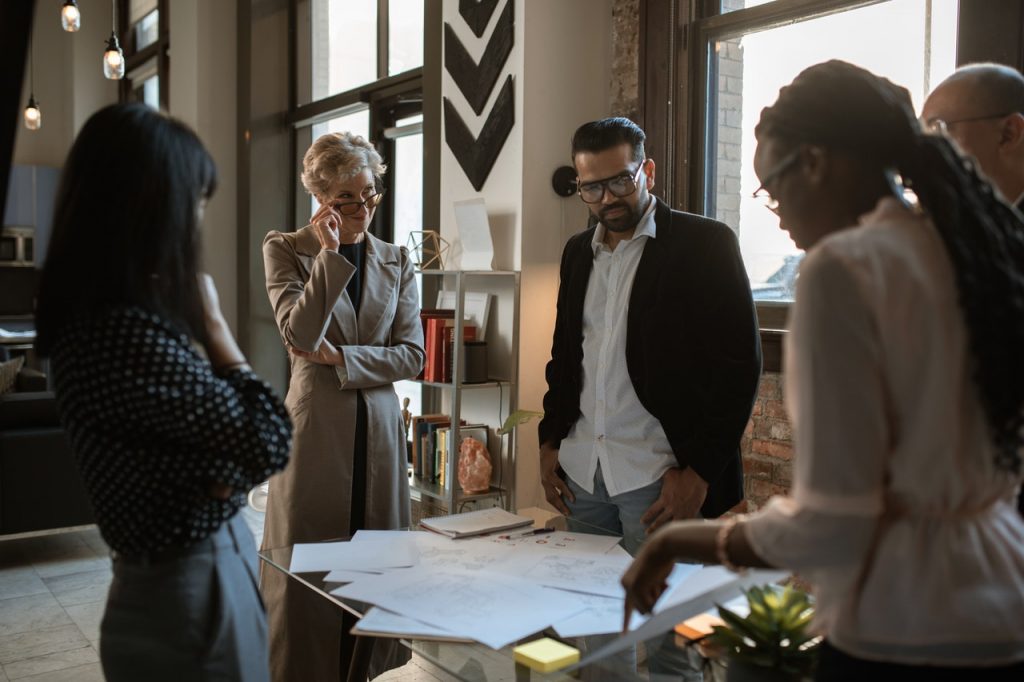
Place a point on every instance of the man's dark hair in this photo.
(125, 229)
(608, 133)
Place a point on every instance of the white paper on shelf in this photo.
(700, 592)
(493, 609)
(474, 234)
(359, 556)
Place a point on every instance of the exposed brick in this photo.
(749, 431)
(780, 430)
(772, 449)
(740, 508)
(758, 408)
(782, 474)
(755, 467)
(775, 409)
(771, 387)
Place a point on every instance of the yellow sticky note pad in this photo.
(545, 655)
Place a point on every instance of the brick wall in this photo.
(624, 93)
(767, 446)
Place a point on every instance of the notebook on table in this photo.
(476, 522)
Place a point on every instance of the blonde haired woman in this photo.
(346, 306)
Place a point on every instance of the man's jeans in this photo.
(620, 514)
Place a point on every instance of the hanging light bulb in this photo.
(33, 117)
(113, 57)
(70, 17)
(113, 60)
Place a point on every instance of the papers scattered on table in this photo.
(477, 522)
(358, 556)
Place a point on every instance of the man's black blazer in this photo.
(693, 351)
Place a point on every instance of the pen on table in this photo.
(525, 534)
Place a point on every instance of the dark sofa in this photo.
(40, 487)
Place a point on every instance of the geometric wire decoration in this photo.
(428, 249)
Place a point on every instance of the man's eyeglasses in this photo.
(774, 174)
(352, 207)
(621, 185)
(941, 126)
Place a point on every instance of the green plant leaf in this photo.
(518, 418)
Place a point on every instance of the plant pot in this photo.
(738, 671)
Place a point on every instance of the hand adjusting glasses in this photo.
(352, 207)
(621, 185)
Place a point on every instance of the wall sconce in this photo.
(113, 57)
(70, 17)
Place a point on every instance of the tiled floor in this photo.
(52, 592)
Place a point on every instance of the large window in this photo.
(144, 39)
(342, 45)
(911, 42)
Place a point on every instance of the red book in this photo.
(447, 355)
(430, 348)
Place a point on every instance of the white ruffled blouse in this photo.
(887, 419)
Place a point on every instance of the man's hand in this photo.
(682, 494)
(554, 487)
(326, 354)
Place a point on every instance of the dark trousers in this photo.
(836, 666)
(197, 616)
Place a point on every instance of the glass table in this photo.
(467, 661)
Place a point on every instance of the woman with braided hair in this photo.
(905, 384)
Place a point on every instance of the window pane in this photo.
(405, 35)
(912, 43)
(145, 84)
(357, 122)
(337, 42)
(733, 5)
(147, 31)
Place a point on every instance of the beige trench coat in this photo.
(310, 500)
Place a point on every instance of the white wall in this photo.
(561, 63)
(203, 93)
(69, 82)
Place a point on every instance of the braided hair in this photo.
(841, 106)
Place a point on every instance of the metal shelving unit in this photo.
(502, 344)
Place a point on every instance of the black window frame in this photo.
(675, 39)
(134, 58)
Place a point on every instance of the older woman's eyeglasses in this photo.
(352, 207)
(775, 173)
(622, 185)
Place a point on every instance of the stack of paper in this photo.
(476, 522)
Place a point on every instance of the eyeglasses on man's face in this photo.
(788, 162)
(352, 207)
(621, 185)
(940, 126)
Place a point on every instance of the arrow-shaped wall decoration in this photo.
(476, 81)
(477, 13)
(477, 155)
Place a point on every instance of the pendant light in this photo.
(113, 57)
(70, 17)
(33, 117)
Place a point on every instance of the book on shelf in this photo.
(432, 320)
(477, 522)
(447, 349)
(427, 446)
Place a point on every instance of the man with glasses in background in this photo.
(655, 359)
(981, 106)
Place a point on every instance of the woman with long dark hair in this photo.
(168, 441)
(905, 385)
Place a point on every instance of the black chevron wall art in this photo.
(477, 13)
(477, 155)
(476, 81)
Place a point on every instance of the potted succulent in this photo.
(772, 643)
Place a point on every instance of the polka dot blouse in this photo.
(153, 426)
